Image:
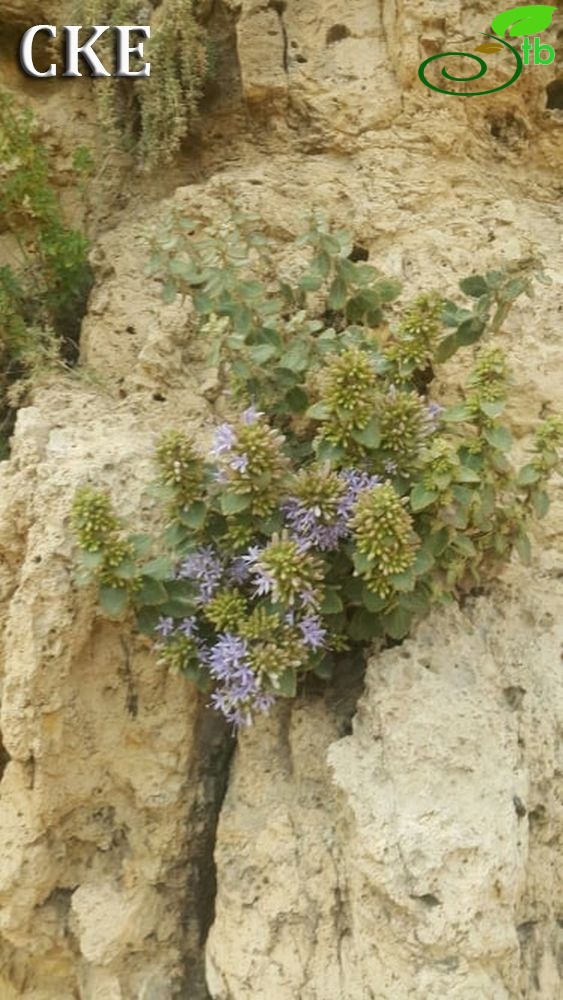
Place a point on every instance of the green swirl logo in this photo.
(527, 20)
(476, 76)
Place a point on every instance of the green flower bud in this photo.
(383, 531)
(227, 610)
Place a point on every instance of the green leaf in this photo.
(337, 294)
(397, 624)
(528, 475)
(235, 503)
(540, 502)
(286, 683)
(297, 400)
(465, 475)
(499, 437)
(475, 286)
(114, 600)
(421, 497)
(326, 451)
(492, 410)
(194, 516)
(126, 570)
(524, 549)
(319, 411)
(464, 545)
(361, 562)
(403, 581)
(297, 358)
(263, 353)
(159, 568)
(364, 626)
(147, 620)
(423, 562)
(370, 435)
(527, 20)
(387, 289)
(372, 602)
(175, 535)
(447, 348)
(140, 543)
(310, 282)
(91, 560)
(177, 607)
(151, 592)
(456, 414)
(332, 604)
(437, 542)
(169, 292)
(469, 332)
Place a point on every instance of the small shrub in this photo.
(153, 115)
(42, 296)
(342, 502)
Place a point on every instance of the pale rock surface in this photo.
(417, 857)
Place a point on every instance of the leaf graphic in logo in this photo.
(489, 47)
(526, 20)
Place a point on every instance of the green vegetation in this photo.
(151, 116)
(43, 289)
(342, 501)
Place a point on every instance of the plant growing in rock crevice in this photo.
(43, 291)
(342, 503)
(153, 115)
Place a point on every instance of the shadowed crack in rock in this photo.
(215, 746)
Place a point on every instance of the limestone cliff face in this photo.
(411, 848)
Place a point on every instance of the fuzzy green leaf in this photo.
(475, 286)
(456, 414)
(151, 592)
(370, 435)
(540, 502)
(194, 516)
(528, 475)
(235, 503)
(286, 683)
(319, 411)
(397, 624)
(159, 568)
(422, 498)
(114, 600)
(332, 604)
(499, 437)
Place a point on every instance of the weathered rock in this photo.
(409, 859)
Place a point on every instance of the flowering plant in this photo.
(323, 524)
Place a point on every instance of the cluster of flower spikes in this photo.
(414, 345)
(251, 461)
(349, 391)
(549, 438)
(98, 531)
(405, 422)
(440, 464)
(317, 513)
(488, 380)
(180, 468)
(383, 533)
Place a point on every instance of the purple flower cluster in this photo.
(204, 568)
(226, 441)
(312, 632)
(262, 581)
(433, 412)
(238, 693)
(307, 524)
(167, 627)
